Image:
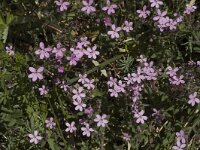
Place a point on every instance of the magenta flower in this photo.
(36, 74)
(156, 3)
(9, 50)
(78, 52)
(114, 32)
(138, 77)
(89, 111)
(59, 51)
(61, 69)
(88, 6)
(110, 8)
(144, 12)
(34, 138)
(193, 99)
(139, 117)
(86, 130)
(79, 105)
(43, 52)
(70, 127)
(128, 26)
(43, 90)
(101, 120)
(91, 52)
(50, 123)
(62, 4)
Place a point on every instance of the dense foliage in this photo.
(99, 74)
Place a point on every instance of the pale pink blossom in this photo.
(36, 74)
(193, 99)
(89, 84)
(59, 51)
(50, 123)
(144, 13)
(43, 52)
(62, 4)
(114, 32)
(88, 8)
(101, 120)
(156, 3)
(43, 90)
(78, 93)
(179, 146)
(86, 130)
(128, 26)
(35, 138)
(70, 127)
(139, 117)
(9, 50)
(92, 52)
(82, 78)
(110, 8)
(79, 105)
(189, 9)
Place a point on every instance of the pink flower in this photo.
(156, 3)
(78, 95)
(101, 120)
(83, 42)
(86, 130)
(64, 86)
(110, 8)
(107, 21)
(143, 13)
(180, 136)
(189, 9)
(58, 50)
(171, 72)
(128, 26)
(138, 77)
(73, 59)
(89, 111)
(179, 146)
(9, 50)
(79, 105)
(171, 24)
(43, 52)
(70, 127)
(160, 15)
(112, 81)
(43, 90)
(34, 138)
(89, 84)
(88, 6)
(177, 80)
(193, 99)
(82, 78)
(126, 137)
(139, 117)
(50, 123)
(114, 33)
(61, 69)
(36, 74)
(91, 52)
(62, 4)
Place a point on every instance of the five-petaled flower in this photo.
(101, 120)
(70, 127)
(34, 138)
(110, 8)
(50, 123)
(36, 74)
(43, 52)
(193, 99)
(139, 117)
(86, 130)
(114, 32)
(62, 4)
(88, 6)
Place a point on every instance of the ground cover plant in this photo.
(99, 74)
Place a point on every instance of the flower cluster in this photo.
(180, 141)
